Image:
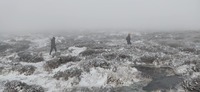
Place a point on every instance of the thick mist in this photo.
(66, 15)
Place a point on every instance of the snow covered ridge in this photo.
(101, 63)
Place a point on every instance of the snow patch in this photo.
(95, 78)
(75, 51)
(182, 69)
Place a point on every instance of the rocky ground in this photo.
(101, 62)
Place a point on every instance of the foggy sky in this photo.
(41, 15)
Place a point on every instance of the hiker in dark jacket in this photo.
(53, 45)
(128, 39)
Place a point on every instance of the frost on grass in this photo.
(93, 45)
(16, 46)
(51, 64)
(133, 88)
(26, 70)
(189, 50)
(73, 72)
(30, 57)
(21, 69)
(17, 86)
(90, 52)
(55, 63)
(196, 68)
(97, 62)
(93, 89)
(100, 63)
(21, 45)
(154, 72)
(172, 43)
(4, 47)
(110, 56)
(164, 84)
(149, 59)
(192, 85)
(124, 56)
(117, 56)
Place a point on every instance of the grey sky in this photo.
(36, 15)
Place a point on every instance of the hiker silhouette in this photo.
(128, 39)
(53, 45)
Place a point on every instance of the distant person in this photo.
(53, 45)
(128, 39)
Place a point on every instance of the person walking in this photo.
(128, 39)
(53, 45)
